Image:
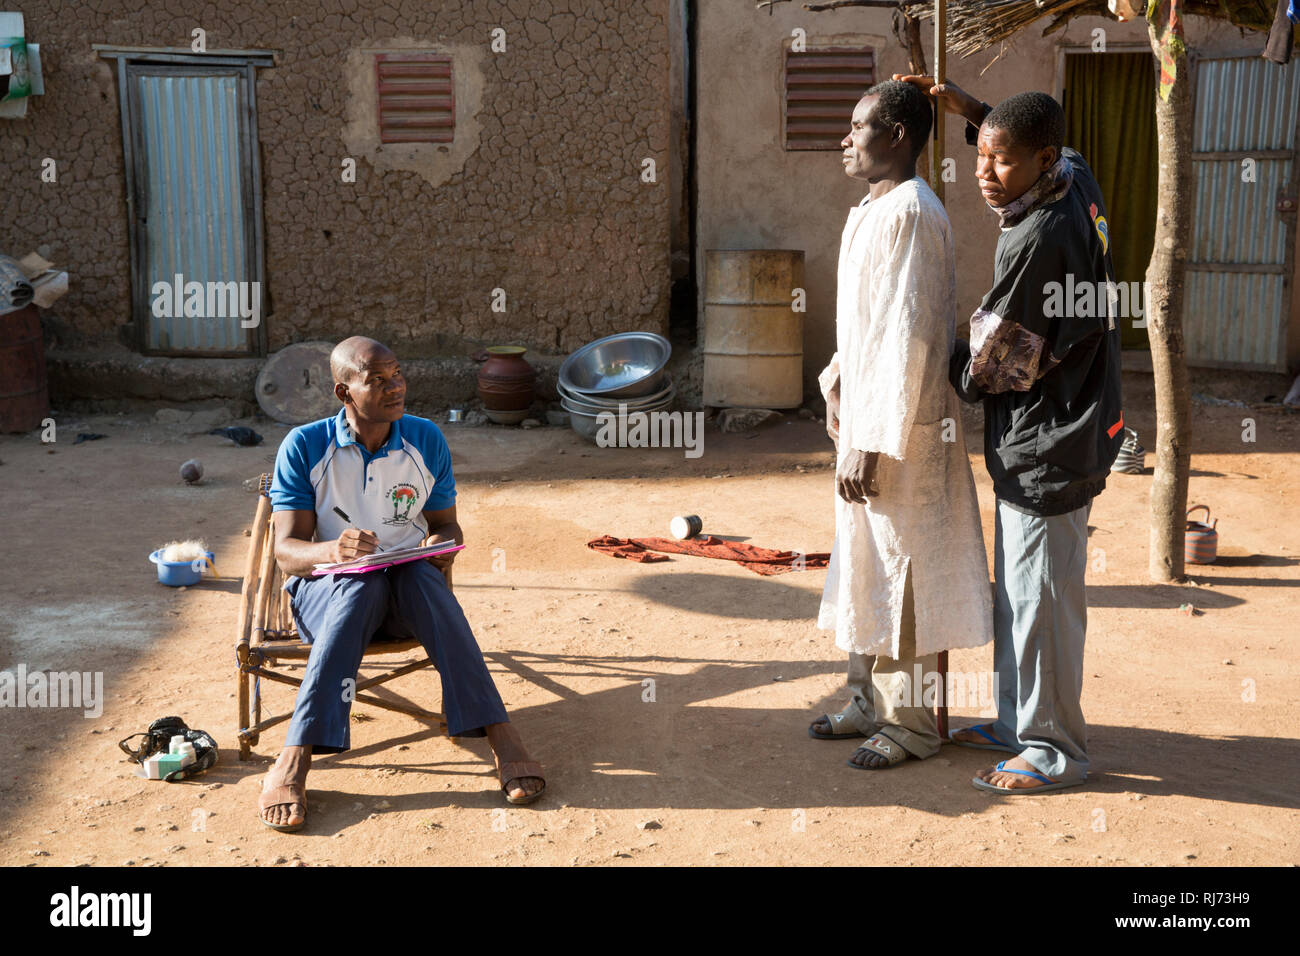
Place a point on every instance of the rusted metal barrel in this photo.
(24, 396)
(753, 337)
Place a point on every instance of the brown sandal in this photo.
(881, 746)
(285, 794)
(515, 770)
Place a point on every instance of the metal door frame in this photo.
(135, 61)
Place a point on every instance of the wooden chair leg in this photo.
(244, 749)
(941, 717)
(246, 635)
(257, 711)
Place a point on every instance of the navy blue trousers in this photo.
(338, 614)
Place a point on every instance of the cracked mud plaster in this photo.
(433, 162)
(547, 203)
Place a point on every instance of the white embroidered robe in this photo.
(895, 324)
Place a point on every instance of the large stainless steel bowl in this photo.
(595, 403)
(626, 365)
(660, 404)
(587, 423)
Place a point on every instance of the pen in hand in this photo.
(342, 514)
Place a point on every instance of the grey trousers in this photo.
(1040, 616)
(887, 698)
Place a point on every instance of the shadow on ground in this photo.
(685, 750)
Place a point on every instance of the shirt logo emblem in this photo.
(1103, 229)
(403, 497)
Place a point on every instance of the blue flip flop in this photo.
(1048, 782)
(993, 742)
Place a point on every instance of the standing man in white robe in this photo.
(908, 575)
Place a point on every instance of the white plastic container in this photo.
(185, 749)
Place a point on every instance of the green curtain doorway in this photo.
(1110, 117)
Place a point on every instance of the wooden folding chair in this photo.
(267, 634)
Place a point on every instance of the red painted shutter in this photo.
(821, 89)
(416, 100)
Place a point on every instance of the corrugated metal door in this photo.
(1238, 293)
(194, 207)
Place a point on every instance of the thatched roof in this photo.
(975, 25)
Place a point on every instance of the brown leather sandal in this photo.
(514, 770)
(283, 795)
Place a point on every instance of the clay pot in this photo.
(506, 384)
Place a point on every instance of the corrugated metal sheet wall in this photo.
(193, 181)
(1238, 316)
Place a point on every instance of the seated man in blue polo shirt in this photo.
(372, 467)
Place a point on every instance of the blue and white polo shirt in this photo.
(322, 466)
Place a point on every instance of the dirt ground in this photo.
(1192, 718)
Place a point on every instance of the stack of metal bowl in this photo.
(617, 375)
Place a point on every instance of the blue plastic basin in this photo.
(179, 574)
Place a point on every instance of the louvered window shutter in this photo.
(821, 88)
(416, 100)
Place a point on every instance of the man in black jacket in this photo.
(1044, 358)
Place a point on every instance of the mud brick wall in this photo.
(541, 194)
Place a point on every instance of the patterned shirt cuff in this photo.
(1005, 356)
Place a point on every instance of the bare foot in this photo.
(1012, 781)
(290, 771)
(510, 749)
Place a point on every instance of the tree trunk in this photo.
(1164, 314)
(915, 52)
(907, 30)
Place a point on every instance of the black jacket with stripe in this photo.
(1044, 355)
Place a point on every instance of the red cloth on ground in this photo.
(759, 560)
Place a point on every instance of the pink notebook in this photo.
(386, 559)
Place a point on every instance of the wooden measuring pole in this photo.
(936, 176)
(940, 72)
